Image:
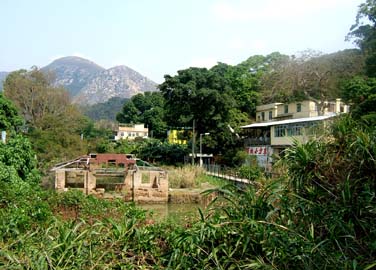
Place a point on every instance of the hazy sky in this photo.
(158, 37)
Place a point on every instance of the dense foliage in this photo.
(360, 90)
(106, 110)
(320, 215)
(364, 34)
(147, 108)
(9, 118)
(52, 123)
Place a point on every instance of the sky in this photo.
(158, 37)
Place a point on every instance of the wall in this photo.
(153, 190)
(149, 186)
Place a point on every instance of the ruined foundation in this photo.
(113, 175)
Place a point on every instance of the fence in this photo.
(227, 173)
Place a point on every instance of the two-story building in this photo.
(279, 124)
(131, 131)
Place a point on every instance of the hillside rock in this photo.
(73, 73)
(89, 83)
(120, 81)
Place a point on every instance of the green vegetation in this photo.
(191, 177)
(364, 34)
(319, 214)
(105, 111)
(147, 109)
(51, 122)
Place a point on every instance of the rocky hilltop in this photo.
(89, 83)
(120, 81)
(73, 73)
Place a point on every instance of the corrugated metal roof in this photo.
(290, 121)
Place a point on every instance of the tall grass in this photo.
(184, 177)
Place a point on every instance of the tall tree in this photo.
(202, 96)
(363, 32)
(54, 124)
(148, 109)
(9, 118)
(311, 75)
(361, 90)
(243, 86)
(32, 93)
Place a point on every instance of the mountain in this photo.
(89, 83)
(73, 73)
(3, 75)
(120, 81)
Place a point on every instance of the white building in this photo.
(130, 131)
(279, 125)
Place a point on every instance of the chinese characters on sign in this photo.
(258, 150)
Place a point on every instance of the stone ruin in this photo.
(113, 176)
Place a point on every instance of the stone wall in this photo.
(147, 186)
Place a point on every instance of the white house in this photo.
(279, 124)
(130, 131)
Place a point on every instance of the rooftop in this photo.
(290, 121)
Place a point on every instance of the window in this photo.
(279, 131)
(298, 107)
(263, 116)
(294, 130)
(286, 109)
(270, 115)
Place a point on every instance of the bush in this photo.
(252, 173)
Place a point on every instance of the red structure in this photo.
(119, 160)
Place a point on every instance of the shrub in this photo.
(252, 173)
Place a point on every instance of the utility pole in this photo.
(205, 134)
(193, 141)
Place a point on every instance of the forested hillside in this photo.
(106, 110)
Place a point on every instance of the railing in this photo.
(227, 173)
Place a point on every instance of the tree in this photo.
(17, 155)
(36, 99)
(311, 75)
(243, 86)
(9, 118)
(363, 32)
(54, 124)
(202, 96)
(148, 109)
(360, 92)
(196, 94)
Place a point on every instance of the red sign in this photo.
(257, 150)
